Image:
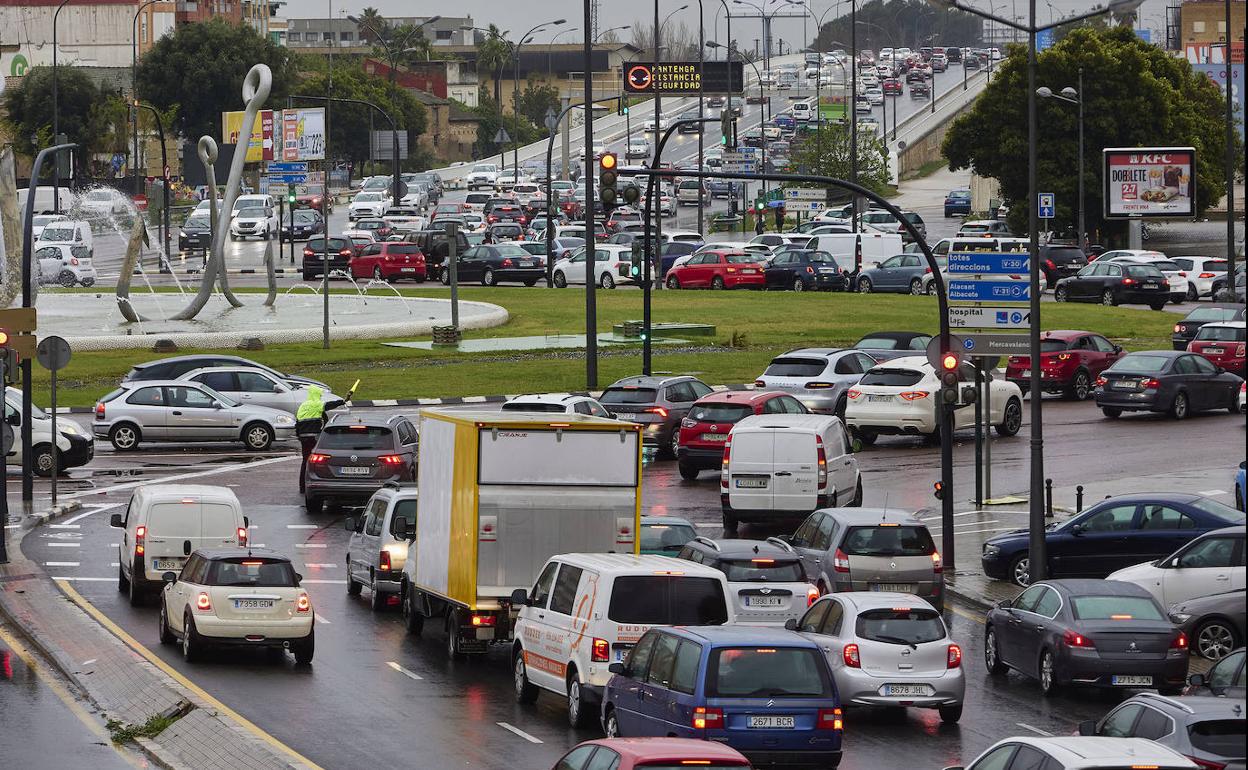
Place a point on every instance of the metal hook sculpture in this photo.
(138, 239)
(11, 224)
(256, 88)
(268, 267)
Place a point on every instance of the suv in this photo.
(378, 547)
(766, 577)
(819, 377)
(1207, 730)
(657, 403)
(1060, 261)
(340, 248)
(436, 245)
(355, 454)
(852, 549)
(704, 431)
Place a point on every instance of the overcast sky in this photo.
(519, 15)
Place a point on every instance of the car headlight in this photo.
(1180, 617)
(991, 550)
(285, 421)
(69, 428)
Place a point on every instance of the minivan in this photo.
(802, 111)
(587, 610)
(77, 233)
(164, 523)
(779, 466)
(377, 550)
(691, 191)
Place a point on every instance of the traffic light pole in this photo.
(591, 306)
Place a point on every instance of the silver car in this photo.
(888, 649)
(172, 410)
(256, 387)
(378, 547)
(819, 377)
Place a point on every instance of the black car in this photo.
(920, 90)
(674, 250)
(307, 223)
(715, 102)
(1171, 381)
(953, 54)
(689, 128)
(1061, 261)
(1115, 283)
(971, 62)
(501, 232)
(885, 346)
(1215, 624)
(435, 244)
(496, 263)
(803, 270)
(340, 249)
(196, 233)
(355, 454)
(1185, 330)
(506, 212)
(1115, 533)
(1099, 633)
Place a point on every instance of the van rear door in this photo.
(170, 526)
(795, 470)
(750, 466)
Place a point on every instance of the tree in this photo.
(1135, 95)
(200, 68)
(828, 152)
(493, 53)
(372, 24)
(677, 41)
(88, 113)
(349, 124)
(535, 100)
(491, 119)
(901, 23)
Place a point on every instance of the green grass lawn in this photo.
(751, 328)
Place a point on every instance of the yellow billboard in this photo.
(260, 142)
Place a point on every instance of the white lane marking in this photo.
(193, 475)
(94, 509)
(1035, 730)
(60, 564)
(63, 545)
(325, 582)
(113, 564)
(405, 672)
(89, 662)
(1212, 492)
(311, 545)
(303, 526)
(320, 619)
(114, 545)
(12, 526)
(64, 526)
(84, 579)
(518, 731)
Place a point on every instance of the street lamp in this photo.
(56, 115)
(391, 54)
(1037, 557)
(134, 85)
(1073, 96)
(765, 18)
(603, 33)
(550, 57)
(764, 104)
(527, 37)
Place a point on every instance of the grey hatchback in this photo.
(819, 377)
(1207, 730)
(355, 455)
(656, 403)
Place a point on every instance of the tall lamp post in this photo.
(527, 37)
(763, 102)
(164, 174)
(1037, 557)
(1073, 96)
(391, 54)
(134, 88)
(56, 113)
(766, 19)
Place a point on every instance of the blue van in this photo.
(767, 693)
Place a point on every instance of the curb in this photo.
(55, 512)
(966, 597)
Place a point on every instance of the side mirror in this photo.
(877, 264)
(349, 524)
(13, 418)
(298, 577)
(520, 597)
(618, 668)
(116, 521)
(1004, 604)
(1077, 530)
(1087, 727)
(1197, 680)
(1175, 563)
(1117, 348)
(246, 523)
(169, 577)
(790, 624)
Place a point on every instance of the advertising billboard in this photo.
(1217, 73)
(303, 134)
(1149, 182)
(260, 141)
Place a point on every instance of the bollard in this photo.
(1078, 498)
(1048, 498)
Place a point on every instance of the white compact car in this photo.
(65, 264)
(75, 233)
(1078, 753)
(888, 649)
(611, 266)
(1201, 273)
(482, 175)
(41, 221)
(1179, 285)
(556, 403)
(253, 222)
(900, 397)
(1206, 566)
(237, 597)
(369, 203)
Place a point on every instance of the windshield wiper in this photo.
(896, 640)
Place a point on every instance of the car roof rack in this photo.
(782, 544)
(706, 541)
(1167, 700)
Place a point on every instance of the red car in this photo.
(1070, 362)
(718, 270)
(665, 753)
(389, 261)
(1223, 343)
(892, 86)
(704, 431)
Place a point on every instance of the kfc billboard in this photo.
(1150, 182)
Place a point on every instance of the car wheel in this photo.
(864, 285)
(191, 646)
(413, 620)
(136, 593)
(1158, 306)
(526, 691)
(377, 273)
(444, 276)
(44, 460)
(531, 283)
(799, 284)
(1177, 300)
(1112, 412)
(931, 289)
(453, 650)
(916, 287)
(729, 521)
(1012, 420)
(488, 278)
(611, 726)
(257, 436)
(353, 586)
(688, 472)
(561, 281)
(125, 436)
(1020, 570)
(1214, 639)
(673, 282)
(1108, 299)
(951, 714)
(577, 713)
(867, 437)
(607, 281)
(313, 504)
(1048, 674)
(308, 275)
(166, 635)
(717, 283)
(1059, 294)
(1191, 293)
(992, 653)
(1081, 387)
(66, 279)
(88, 282)
(123, 582)
(377, 601)
(304, 649)
(1178, 407)
(856, 502)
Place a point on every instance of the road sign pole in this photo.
(979, 440)
(987, 399)
(4, 473)
(55, 451)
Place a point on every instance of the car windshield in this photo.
(533, 406)
(1221, 510)
(370, 224)
(741, 259)
(485, 167)
(1222, 737)
(252, 213)
(878, 343)
(1052, 345)
(821, 257)
(1141, 362)
(668, 600)
(1115, 608)
(1221, 333)
(893, 378)
(356, 437)
(766, 672)
(51, 233)
(196, 223)
(1204, 313)
(1165, 266)
(368, 196)
(900, 625)
(628, 395)
(883, 540)
(722, 413)
(666, 537)
(254, 572)
(796, 367)
(510, 249)
(763, 570)
(974, 228)
(1143, 272)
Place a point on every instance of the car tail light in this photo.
(1179, 642)
(953, 658)
(810, 270)
(601, 651)
(1241, 349)
(812, 595)
(391, 459)
(1128, 281)
(308, 252)
(914, 395)
(850, 655)
(818, 385)
(830, 719)
(484, 621)
(1100, 382)
(1208, 275)
(723, 468)
(1061, 357)
(660, 411)
(937, 565)
(303, 603)
(705, 717)
(346, 253)
(1074, 639)
(1049, 263)
(823, 462)
(853, 393)
(242, 536)
(1153, 383)
(1183, 273)
(99, 410)
(140, 536)
(202, 602)
(317, 459)
(840, 562)
(383, 561)
(491, 218)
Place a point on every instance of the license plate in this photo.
(526, 264)
(166, 564)
(907, 690)
(1132, 681)
(1123, 385)
(1026, 373)
(900, 588)
(751, 483)
(773, 722)
(764, 601)
(1150, 285)
(714, 437)
(253, 604)
(1214, 351)
(749, 272)
(355, 470)
(622, 652)
(879, 398)
(407, 269)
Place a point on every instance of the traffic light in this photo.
(635, 261)
(938, 490)
(949, 363)
(607, 177)
(631, 194)
(290, 197)
(728, 129)
(622, 109)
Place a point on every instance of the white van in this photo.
(256, 201)
(802, 111)
(691, 191)
(74, 446)
(587, 610)
(782, 466)
(45, 201)
(73, 232)
(855, 249)
(164, 524)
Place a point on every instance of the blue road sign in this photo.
(1044, 39)
(1046, 204)
(989, 291)
(288, 178)
(287, 168)
(988, 262)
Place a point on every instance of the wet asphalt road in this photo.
(376, 695)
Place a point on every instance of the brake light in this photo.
(1064, 356)
(850, 655)
(242, 536)
(99, 410)
(601, 651)
(937, 566)
(812, 595)
(1050, 264)
(1073, 639)
(1204, 764)
(723, 468)
(914, 395)
(140, 535)
(317, 459)
(660, 411)
(705, 718)
(1241, 349)
(346, 253)
(383, 561)
(830, 719)
(953, 659)
(391, 459)
(1183, 273)
(1128, 281)
(818, 385)
(1208, 275)
(491, 218)
(483, 621)
(1100, 382)
(1179, 642)
(1153, 383)
(202, 602)
(823, 462)
(840, 562)
(810, 270)
(853, 393)
(303, 603)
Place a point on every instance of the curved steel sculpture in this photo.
(138, 239)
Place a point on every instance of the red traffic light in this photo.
(607, 161)
(949, 361)
(938, 490)
(4, 337)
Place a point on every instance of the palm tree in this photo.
(370, 20)
(493, 53)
